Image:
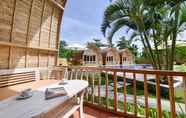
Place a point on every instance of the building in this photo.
(110, 56)
(29, 33)
(126, 57)
(92, 56)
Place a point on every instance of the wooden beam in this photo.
(28, 28)
(58, 33)
(184, 89)
(158, 96)
(57, 4)
(115, 92)
(124, 93)
(146, 96)
(135, 95)
(41, 21)
(51, 20)
(172, 97)
(11, 34)
(22, 46)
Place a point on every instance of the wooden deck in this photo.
(94, 113)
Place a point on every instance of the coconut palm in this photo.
(131, 14)
(154, 22)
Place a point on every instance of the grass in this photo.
(130, 107)
(140, 87)
(180, 68)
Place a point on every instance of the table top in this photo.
(11, 108)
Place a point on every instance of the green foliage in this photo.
(130, 107)
(96, 42)
(153, 22)
(124, 43)
(180, 56)
(65, 53)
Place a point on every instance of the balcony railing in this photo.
(135, 93)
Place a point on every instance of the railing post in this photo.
(146, 96)
(87, 76)
(99, 88)
(93, 79)
(172, 97)
(158, 96)
(134, 92)
(107, 90)
(81, 74)
(184, 86)
(124, 92)
(66, 74)
(76, 72)
(115, 92)
(71, 77)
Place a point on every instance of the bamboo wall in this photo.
(29, 32)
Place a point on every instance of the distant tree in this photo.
(153, 21)
(97, 42)
(64, 52)
(63, 44)
(124, 43)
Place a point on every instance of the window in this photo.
(110, 59)
(89, 59)
(124, 59)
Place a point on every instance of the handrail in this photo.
(111, 75)
(139, 71)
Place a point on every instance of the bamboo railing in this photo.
(100, 95)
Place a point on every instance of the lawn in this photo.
(180, 68)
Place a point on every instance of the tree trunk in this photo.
(150, 50)
(156, 51)
(172, 57)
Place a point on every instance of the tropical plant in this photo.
(64, 52)
(153, 22)
(97, 43)
(124, 43)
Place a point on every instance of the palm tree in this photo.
(123, 43)
(149, 20)
(131, 14)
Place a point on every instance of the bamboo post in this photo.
(172, 97)
(72, 72)
(107, 90)
(124, 93)
(134, 92)
(93, 80)
(158, 96)
(87, 76)
(11, 34)
(76, 74)
(115, 92)
(99, 88)
(146, 96)
(184, 86)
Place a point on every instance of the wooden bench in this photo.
(16, 78)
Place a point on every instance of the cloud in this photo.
(74, 30)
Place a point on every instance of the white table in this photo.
(35, 106)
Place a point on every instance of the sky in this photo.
(82, 21)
